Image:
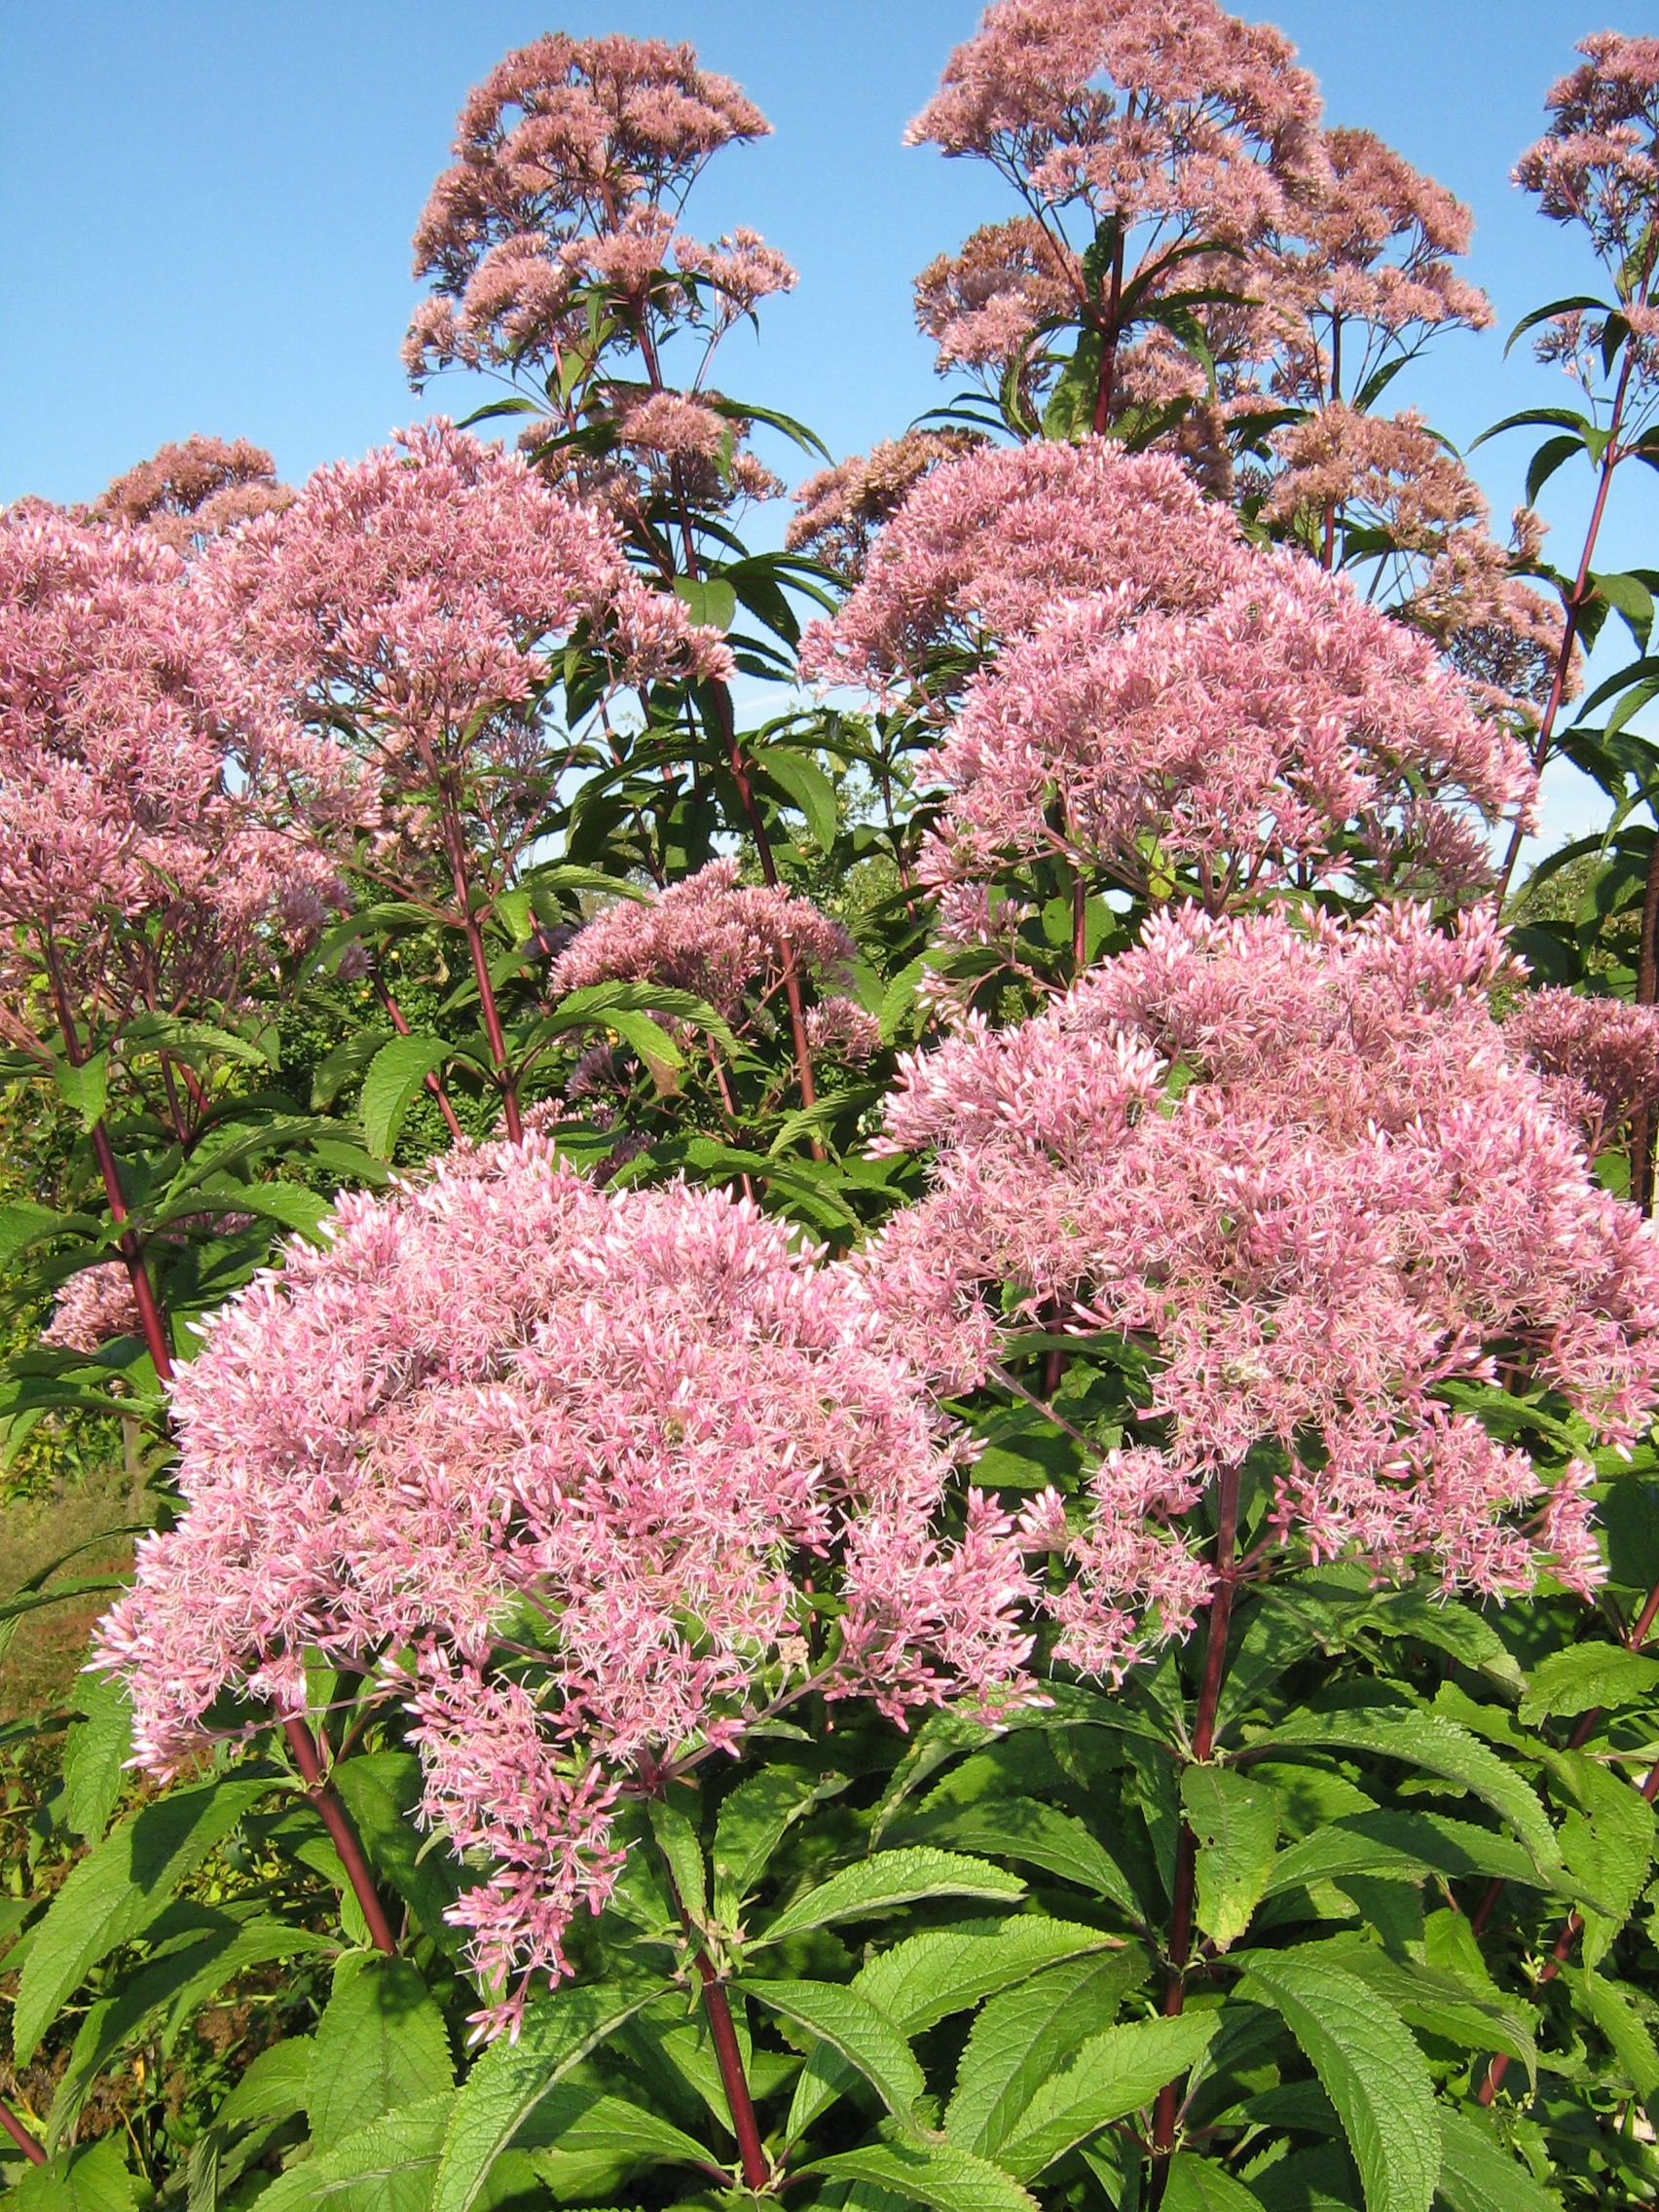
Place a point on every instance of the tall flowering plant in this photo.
(984, 1538)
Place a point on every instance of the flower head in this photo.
(562, 1447)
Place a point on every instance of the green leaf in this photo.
(91, 2178)
(387, 2166)
(380, 2043)
(1440, 2004)
(117, 1889)
(1402, 1846)
(588, 2123)
(84, 1089)
(1369, 2068)
(1449, 1627)
(1200, 2185)
(891, 1878)
(511, 2079)
(94, 1753)
(1553, 454)
(711, 605)
(1607, 1844)
(677, 1839)
(752, 1821)
(938, 2175)
(855, 2028)
(1585, 1676)
(807, 788)
(1237, 1824)
(1105, 2077)
(1427, 1740)
(1620, 2022)
(274, 2087)
(397, 1073)
(382, 1790)
(920, 1982)
(1022, 2037)
(1038, 1834)
(1477, 2174)
(23, 1225)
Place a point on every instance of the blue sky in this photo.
(206, 208)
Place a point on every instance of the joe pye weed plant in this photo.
(898, 1452)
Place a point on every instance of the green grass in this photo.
(38, 1669)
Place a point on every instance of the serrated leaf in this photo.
(397, 1073)
(1038, 1835)
(1369, 2067)
(1440, 2004)
(387, 2166)
(84, 1089)
(382, 1791)
(1200, 2185)
(806, 787)
(1607, 1844)
(752, 1821)
(923, 1979)
(1237, 1824)
(1022, 2036)
(940, 2175)
(1439, 1746)
(677, 1840)
(1619, 2021)
(23, 1225)
(91, 2178)
(274, 2087)
(94, 1752)
(117, 1890)
(1477, 2174)
(588, 2122)
(889, 1879)
(380, 2044)
(1105, 2079)
(858, 2030)
(511, 2079)
(1585, 1676)
(1399, 1846)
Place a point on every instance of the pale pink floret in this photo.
(1600, 1057)
(142, 863)
(986, 546)
(92, 1308)
(1357, 1194)
(1256, 743)
(504, 1412)
(709, 934)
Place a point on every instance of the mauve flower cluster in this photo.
(417, 596)
(985, 547)
(1600, 1057)
(552, 1458)
(93, 1307)
(139, 868)
(840, 509)
(187, 493)
(1277, 738)
(709, 934)
(1597, 166)
(1303, 1170)
(570, 159)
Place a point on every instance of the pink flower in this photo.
(1275, 738)
(1354, 1195)
(708, 935)
(1599, 1056)
(92, 1308)
(564, 1447)
(187, 494)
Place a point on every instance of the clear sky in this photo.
(206, 208)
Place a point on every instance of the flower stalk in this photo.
(304, 1745)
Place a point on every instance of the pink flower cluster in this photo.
(138, 865)
(187, 493)
(1599, 1057)
(1275, 738)
(416, 596)
(1304, 1171)
(709, 934)
(560, 1452)
(93, 1307)
(840, 509)
(987, 545)
(573, 159)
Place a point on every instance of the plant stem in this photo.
(1186, 1848)
(474, 936)
(394, 1014)
(756, 2169)
(1576, 602)
(1105, 389)
(21, 2136)
(150, 1316)
(1646, 994)
(326, 1798)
